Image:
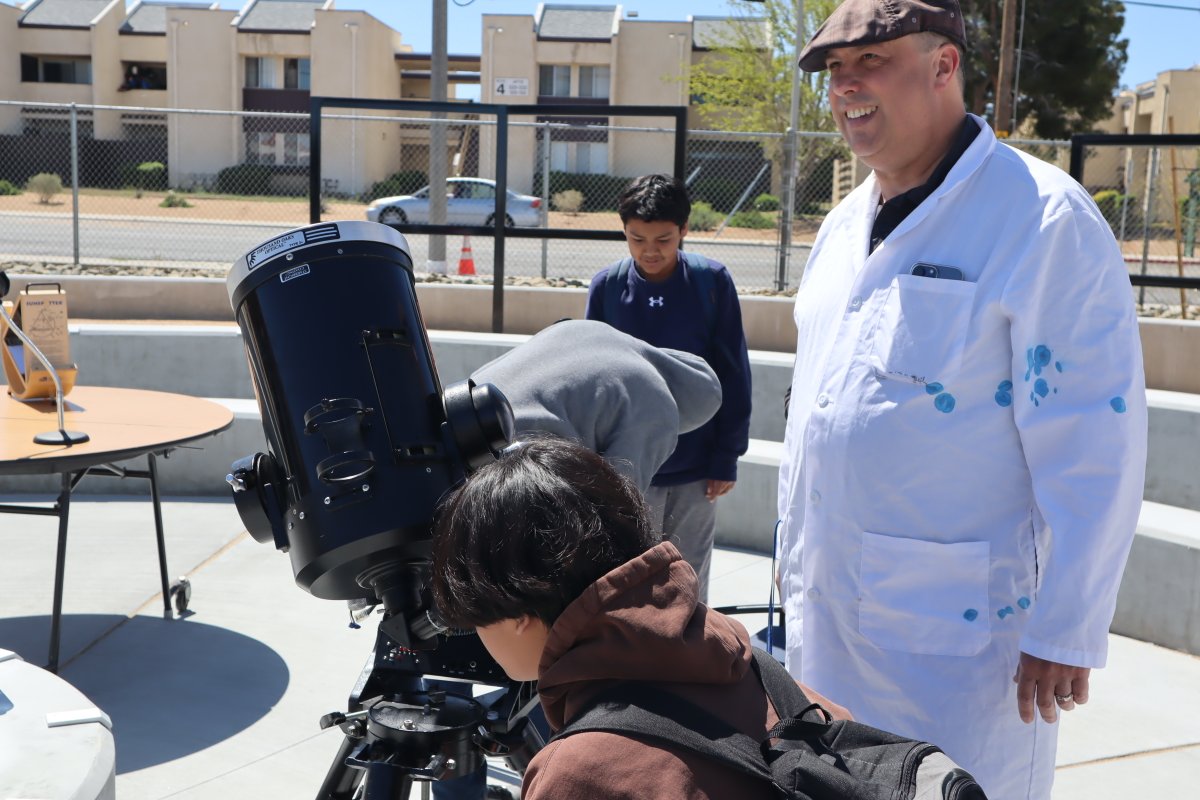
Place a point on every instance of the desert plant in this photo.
(45, 185)
(568, 200)
(751, 219)
(703, 218)
(8, 187)
(766, 202)
(173, 200)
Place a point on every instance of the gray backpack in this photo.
(807, 756)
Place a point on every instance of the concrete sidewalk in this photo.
(225, 702)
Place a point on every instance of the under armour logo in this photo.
(656, 302)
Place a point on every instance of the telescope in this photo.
(363, 442)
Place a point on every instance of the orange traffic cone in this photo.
(466, 264)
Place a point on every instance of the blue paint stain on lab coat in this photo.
(1041, 387)
(1058, 365)
(1004, 394)
(1023, 602)
(944, 402)
(1118, 404)
(933, 388)
(970, 615)
(1004, 612)
(1041, 358)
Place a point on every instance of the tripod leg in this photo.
(387, 782)
(341, 781)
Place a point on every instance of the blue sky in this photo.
(1159, 38)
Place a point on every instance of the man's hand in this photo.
(1050, 686)
(716, 489)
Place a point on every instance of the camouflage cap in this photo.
(858, 22)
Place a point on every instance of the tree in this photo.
(745, 82)
(1071, 61)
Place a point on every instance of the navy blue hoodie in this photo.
(671, 314)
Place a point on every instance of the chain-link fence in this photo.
(141, 187)
(145, 187)
(1150, 196)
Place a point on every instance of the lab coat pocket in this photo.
(922, 329)
(924, 597)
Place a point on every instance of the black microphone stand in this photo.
(61, 436)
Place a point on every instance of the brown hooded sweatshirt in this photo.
(641, 622)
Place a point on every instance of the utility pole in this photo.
(436, 260)
(1004, 80)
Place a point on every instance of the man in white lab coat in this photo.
(965, 449)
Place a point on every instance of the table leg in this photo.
(63, 506)
(158, 532)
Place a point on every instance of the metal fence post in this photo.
(788, 208)
(545, 193)
(75, 181)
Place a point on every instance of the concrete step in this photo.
(209, 361)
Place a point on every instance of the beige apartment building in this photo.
(597, 55)
(153, 60)
(269, 56)
(1169, 102)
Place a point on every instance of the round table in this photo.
(123, 424)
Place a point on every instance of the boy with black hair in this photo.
(682, 301)
(548, 552)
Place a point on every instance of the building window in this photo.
(52, 69)
(579, 157)
(271, 148)
(593, 82)
(554, 80)
(143, 75)
(296, 73)
(260, 73)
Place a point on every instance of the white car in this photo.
(469, 201)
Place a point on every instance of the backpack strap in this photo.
(706, 285)
(614, 282)
(636, 709)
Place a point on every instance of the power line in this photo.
(1161, 5)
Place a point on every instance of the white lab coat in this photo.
(964, 459)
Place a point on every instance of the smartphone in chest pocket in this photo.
(924, 270)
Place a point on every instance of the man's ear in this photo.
(683, 230)
(947, 64)
(524, 623)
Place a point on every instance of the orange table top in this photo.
(122, 424)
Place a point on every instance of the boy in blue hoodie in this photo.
(682, 301)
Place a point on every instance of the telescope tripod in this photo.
(397, 732)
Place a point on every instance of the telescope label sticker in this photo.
(294, 272)
(274, 247)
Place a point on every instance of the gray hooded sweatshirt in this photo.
(623, 398)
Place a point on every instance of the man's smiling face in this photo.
(883, 98)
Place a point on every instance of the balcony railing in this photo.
(275, 100)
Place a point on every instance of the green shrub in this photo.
(146, 176)
(703, 217)
(173, 200)
(45, 185)
(720, 193)
(245, 179)
(8, 188)
(751, 219)
(599, 192)
(403, 182)
(1110, 202)
(568, 200)
(766, 202)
